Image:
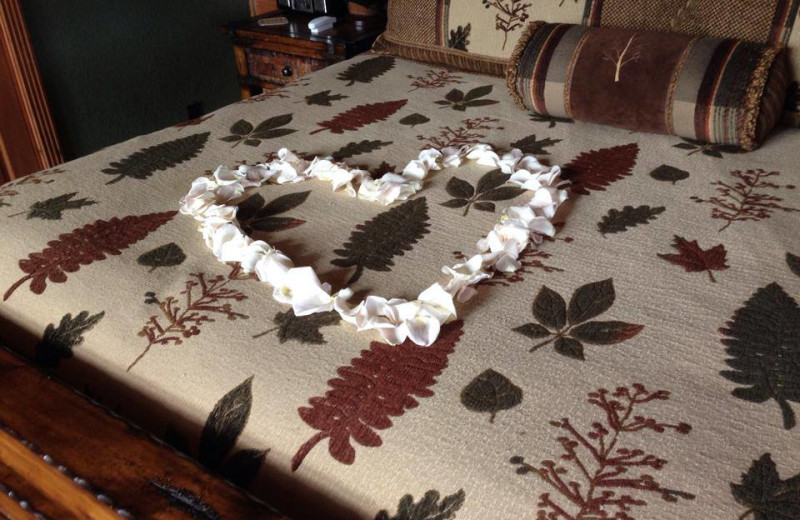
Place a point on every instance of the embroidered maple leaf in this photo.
(695, 259)
(765, 494)
(51, 209)
(597, 169)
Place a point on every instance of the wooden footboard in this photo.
(62, 456)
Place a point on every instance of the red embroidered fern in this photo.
(604, 468)
(596, 169)
(361, 115)
(384, 382)
(743, 201)
(83, 246)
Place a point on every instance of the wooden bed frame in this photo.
(63, 456)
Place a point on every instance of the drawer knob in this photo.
(287, 71)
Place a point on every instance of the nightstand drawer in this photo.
(277, 67)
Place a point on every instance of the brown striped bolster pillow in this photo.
(709, 89)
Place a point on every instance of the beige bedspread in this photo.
(643, 365)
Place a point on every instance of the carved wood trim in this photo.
(16, 46)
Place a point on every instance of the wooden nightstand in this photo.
(269, 57)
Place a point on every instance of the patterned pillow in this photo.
(479, 35)
(708, 89)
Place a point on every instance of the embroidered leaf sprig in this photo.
(568, 328)
(695, 259)
(83, 246)
(668, 173)
(167, 255)
(323, 98)
(489, 188)
(763, 342)
(429, 507)
(618, 221)
(531, 145)
(144, 163)
(708, 149)
(491, 392)
(58, 342)
(359, 147)
(367, 70)
(51, 209)
(414, 120)
(360, 116)
(597, 169)
(244, 132)
(459, 37)
(765, 495)
(605, 471)
(793, 261)
(457, 100)
(304, 329)
(383, 382)
(255, 214)
(375, 243)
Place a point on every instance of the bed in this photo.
(643, 364)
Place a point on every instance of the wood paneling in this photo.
(28, 140)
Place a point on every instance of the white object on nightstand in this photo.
(321, 23)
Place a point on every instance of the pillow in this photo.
(479, 35)
(710, 89)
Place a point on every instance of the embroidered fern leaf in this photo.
(357, 148)
(383, 382)
(618, 221)
(361, 115)
(142, 164)
(83, 246)
(373, 244)
(367, 70)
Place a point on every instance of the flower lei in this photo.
(212, 203)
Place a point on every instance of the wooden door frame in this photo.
(16, 46)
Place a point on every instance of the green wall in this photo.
(114, 69)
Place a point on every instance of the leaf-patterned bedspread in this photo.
(644, 364)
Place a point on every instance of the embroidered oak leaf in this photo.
(375, 243)
(489, 188)
(531, 145)
(414, 120)
(323, 98)
(459, 37)
(793, 261)
(709, 149)
(357, 148)
(765, 495)
(244, 132)
(383, 382)
(457, 100)
(367, 70)
(429, 507)
(597, 169)
(763, 342)
(551, 121)
(304, 329)
(568, 328)
(617, 221)
(58, 342)
(51, 209)
(167, 255)
(694, 259)
(255, 214)
(491, 392)
(360, 116)
(669, 174)
(186, 500)
(83, 246)
(144, 163)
